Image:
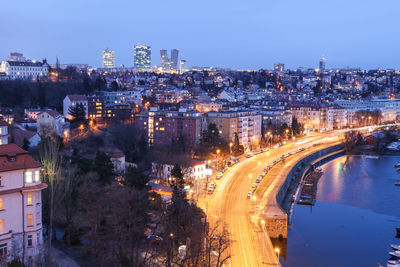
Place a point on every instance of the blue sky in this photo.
(236, 34)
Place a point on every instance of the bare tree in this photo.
(217, 244)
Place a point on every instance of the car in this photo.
(210, 190)
(258, 180)
(213, 185)
(249, 155)
(219, 176)
(249, 195)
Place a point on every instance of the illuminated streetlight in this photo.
(277, 252)
(263, 227)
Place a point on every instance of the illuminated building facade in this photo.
(174, 59)
(182, 66)
(108, 58)
(142, 56)
(322, 64)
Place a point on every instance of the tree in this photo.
(78, 113)
(176, 172)
(49, 154)
(135, 178)
(104, 167)
(218, 243)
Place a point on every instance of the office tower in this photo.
(142, 56)
(174, 59)
(322, 63)
(182, 66)
(108, 58)
(279, 67)
(164, 59)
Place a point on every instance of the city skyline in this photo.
(253, 37)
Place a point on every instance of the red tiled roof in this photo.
(22, 158)
(77, 97)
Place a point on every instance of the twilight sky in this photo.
(236, 34)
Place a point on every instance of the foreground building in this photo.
(20, 206)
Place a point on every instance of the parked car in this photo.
(219, 176)
(154, 239)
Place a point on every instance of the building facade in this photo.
(163, 127)
(108, 58)
(245, 123)
(18, 67)
(20, 206)
(142, 56)
(73, 100)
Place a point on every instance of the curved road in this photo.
(230, 204)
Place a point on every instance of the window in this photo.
(28, 177)
(38, 217)
(37, 238)
(37, 197)
(3, 249)
(30, 219)
(29, 240)
(1, 226)
(29, 199)
(1, 181)
(37, 176)
(1, 204)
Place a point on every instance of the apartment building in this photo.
(20, 206)
(245, 123)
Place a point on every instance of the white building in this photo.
(193, 171)
(17, 67)
(51, 121)
(20, 206)
(108, 58)
(73, 100)
(3, 133)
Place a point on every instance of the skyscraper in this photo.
(164, 59)
(182, 66)
(280, 67)
(142, 56)
(174, 59)
(322, 63)
(108, 58)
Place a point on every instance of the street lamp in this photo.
(259, 165)
(230, 149)
(277, 252)
(269, 137)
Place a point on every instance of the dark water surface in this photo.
(354, 219)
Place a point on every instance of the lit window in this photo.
(1, 226)
(30, 219)
(28, 177)
(37, 176)
(1, 204)
(29, 199)
(38, 217)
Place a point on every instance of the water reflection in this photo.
(354, 219)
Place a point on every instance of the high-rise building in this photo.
(182, 66)
(108, 58)
(322, 63)
(279, 67)
(174, 59)
(142, 56)
(164, 59)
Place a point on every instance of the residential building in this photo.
(95, 108)
(208, 106)
(3, 132)
(191, 170)
(245, 123)
(108, 58)
(182, 66)
(51, 122)
(73, 100)
(163, 127)
(21, 206)
(117, 158)
(142, 56)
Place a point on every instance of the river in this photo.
(354, 219)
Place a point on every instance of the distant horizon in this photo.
(228, 34)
